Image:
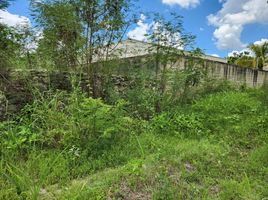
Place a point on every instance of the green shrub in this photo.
(215, 148)
(226, 110)
(63, 121)
(16, 137)
(178, 124)
(227, 103)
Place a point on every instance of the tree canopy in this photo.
(4, 3)
(260, 51)
(246, 59)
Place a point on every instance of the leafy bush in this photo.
(227, 103)
(215, 148)
(177, 124)
(141, 103)
(65, 121)
(14, 137)
(226, 110)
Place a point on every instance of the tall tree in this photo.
(105, 23)
(9, 46)
(168, 39)
(243, 59)
(28, 40)
(81, 31)
(61, 31)
(9, 41)
(260, 51)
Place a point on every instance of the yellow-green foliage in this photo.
(246, 62)
(68, 146)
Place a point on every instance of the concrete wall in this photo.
(216, 67)
(16, 85)
(236, 74)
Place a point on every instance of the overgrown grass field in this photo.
(69, 146)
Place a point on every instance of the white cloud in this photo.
(261, 42)
(143, 29)
(234, 53)
(139, 33)
(232, 18)
(214, 55)
(22, 25)
(12, 19)
(228, 37)
(182, 3)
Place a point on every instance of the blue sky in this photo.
(220, 26)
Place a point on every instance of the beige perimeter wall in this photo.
(236, 74)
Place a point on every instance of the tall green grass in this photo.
(69, 146)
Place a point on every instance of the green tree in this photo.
(61, 32)
(4, 3)
(243, 59)
(8, 41)
(81, 32)
(260, 51)
(168, 39)
(9, 46)
(28, 39)
(104, 25)
(246, 61)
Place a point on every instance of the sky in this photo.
(220, 26)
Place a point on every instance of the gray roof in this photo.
(134, 48)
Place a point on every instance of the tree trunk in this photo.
(29, 60)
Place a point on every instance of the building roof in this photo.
(134, 48)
